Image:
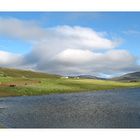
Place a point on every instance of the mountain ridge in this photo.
(130, 77)
(11, 72)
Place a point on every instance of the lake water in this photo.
(118, 108)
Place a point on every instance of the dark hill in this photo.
(89, 77)
(130, 77)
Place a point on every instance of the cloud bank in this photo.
(65, 50)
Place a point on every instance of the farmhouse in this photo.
(64, 77)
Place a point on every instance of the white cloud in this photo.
(75, 56)
(68, 36)
(26, 30)
(65, 49)
(82, 37)
(88, 62)
(9, 59)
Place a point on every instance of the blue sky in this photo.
(124, 26)
(113, 22)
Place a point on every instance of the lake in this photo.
(119, 108)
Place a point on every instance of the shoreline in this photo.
(73, 92)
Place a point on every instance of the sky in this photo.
(105, 44)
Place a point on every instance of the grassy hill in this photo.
(15, 82)
(130, 77)
(7, 72)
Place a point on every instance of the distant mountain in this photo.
(90, 77)
(130, 77)
(8, 72)
(87, 77)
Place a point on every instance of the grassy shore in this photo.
(40, 86)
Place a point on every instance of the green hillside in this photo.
(15, 82)
(6, 72)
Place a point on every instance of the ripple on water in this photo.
(103, 109)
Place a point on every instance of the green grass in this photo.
(36, 83)
(39, 86)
